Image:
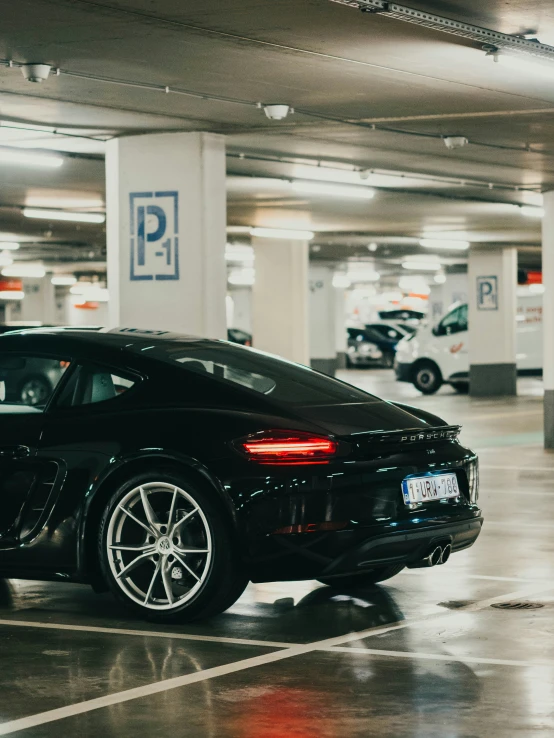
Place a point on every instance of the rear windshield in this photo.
(280, 380)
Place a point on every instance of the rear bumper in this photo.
(312, 556)
(403, 372)
(404, 548)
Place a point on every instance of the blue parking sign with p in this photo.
(487, 293)
(154, 231)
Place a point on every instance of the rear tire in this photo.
(161, 566)
(352, 581)
(427, 377)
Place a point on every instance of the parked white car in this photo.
(438, 354)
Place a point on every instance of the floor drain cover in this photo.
(517, 605)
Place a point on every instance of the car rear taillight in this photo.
(288, 447)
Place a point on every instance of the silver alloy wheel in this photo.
(159, 546)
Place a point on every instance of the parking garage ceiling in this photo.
(374, 98)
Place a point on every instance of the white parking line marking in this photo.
(14, 726)
(143, 633)
(459, 658)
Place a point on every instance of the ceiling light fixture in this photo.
(24, 270)
(64, 280)
(455, 142)
(333, 190)
(11, 295)
(64, 215)
(36, 72)
(29, 158)
(9, 245)
(440, 278)
(531, 211)
(284, 233)
(277, 111)
(432, 243)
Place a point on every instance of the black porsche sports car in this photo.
(173, 470)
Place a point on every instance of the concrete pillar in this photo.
(340, 327)
(323, 350)
(166, 219)
(548, 317)
(280, 298)
(492, 274)
(39, 303)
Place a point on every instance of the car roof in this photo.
(115, 338)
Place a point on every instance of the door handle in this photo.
(14, 452)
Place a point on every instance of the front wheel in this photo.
(167, 551)
(427, 377)
(34, 391)
(364, 580)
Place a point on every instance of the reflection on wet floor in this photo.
(428, 656)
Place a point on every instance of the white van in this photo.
(438, 354)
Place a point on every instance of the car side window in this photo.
(91, 384)
(453, 322)
(28, 382)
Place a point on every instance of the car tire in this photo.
(462, 388)
(169, 570)
(374, 576)
(427, 377)
(34, 391)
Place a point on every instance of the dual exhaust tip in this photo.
(437, 556)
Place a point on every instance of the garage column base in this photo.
(492, 380)
(549, 418)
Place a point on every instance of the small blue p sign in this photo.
(487, 293)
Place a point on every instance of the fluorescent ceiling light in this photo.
(531, 211)
(440, 278)
(64, 280)
(341, 281)
(30, 158)
(422, 266)
(9, 245)
(64, 215)
(12, 295)
(432, 243)
(239, 230)
(63, 203)
(24, 270)
(5, 260)
(284, 233)
(242, 277)
(332, 190)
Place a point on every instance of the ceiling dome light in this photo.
(36, 72)
(455, 142)
(277, 111)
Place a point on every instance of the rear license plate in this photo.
(430, 488)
